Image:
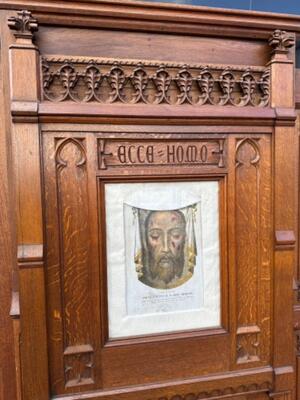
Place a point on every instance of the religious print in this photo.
(162, 256)
(165, 246)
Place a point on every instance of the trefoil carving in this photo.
(247, 151)
(80, 160)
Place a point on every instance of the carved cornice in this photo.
(24, 25)
(163, 17)
(128, 81)
(281, 41)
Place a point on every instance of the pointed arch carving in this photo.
(61, 162)
(241, 159)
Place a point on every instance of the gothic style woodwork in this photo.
(281, 42)
(68, 270)
(130, 81)
(252, 175)
(102, 95)
(24, 25)
(192, 153)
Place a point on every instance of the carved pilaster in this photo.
(23, 67)
(285, 165)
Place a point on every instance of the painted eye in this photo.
(154, 236)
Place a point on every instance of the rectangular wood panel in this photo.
(80, 350)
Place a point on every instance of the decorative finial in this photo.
(281, 41)
(24, 24)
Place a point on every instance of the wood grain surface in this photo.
(99, 92)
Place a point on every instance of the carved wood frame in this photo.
(224, 274)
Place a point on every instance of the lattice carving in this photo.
(24, 24)
(124, 81)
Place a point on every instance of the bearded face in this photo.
(165, 237)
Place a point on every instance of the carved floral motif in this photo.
(152, 83)
(24, 24)
(281, 41)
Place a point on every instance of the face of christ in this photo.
(165, 237)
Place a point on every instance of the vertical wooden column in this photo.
(285, 186)
(24, 81)
(9, 366)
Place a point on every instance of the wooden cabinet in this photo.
(154, 178)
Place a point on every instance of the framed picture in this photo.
(163, 256)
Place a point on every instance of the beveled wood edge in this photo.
(98, 113)
(285, 240)
(163, 111)
(90, 12)
(15, 305)
(30, 256)
(244, 330)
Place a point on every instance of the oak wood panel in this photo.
(250, 208)
(114, 357)
(32, 281)
(121, 367)
(72, 41)
(253, 247)
(253, 383)
(72, 280)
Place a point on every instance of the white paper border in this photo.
(208, 316)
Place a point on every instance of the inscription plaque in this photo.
(143, 153)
